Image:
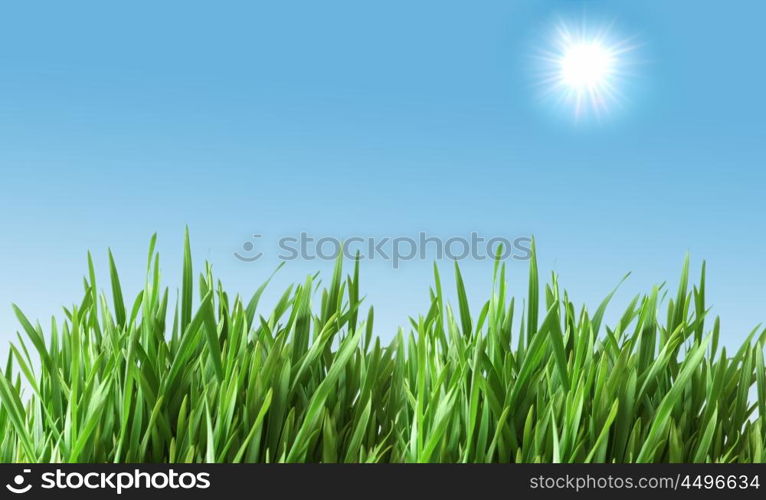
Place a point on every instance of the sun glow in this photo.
(584, 69)
(586, 65)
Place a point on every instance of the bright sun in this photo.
(586, 65)
(584, 69)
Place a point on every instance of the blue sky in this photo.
(348, 118)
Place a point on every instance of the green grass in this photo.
(215, 378)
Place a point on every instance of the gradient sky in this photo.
(348, 118)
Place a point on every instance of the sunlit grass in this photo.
(308, 380)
